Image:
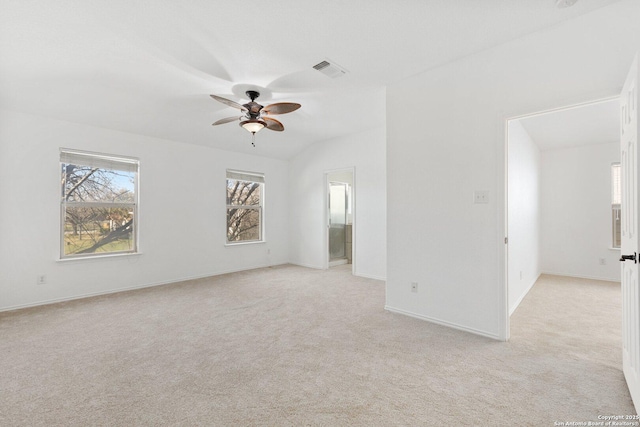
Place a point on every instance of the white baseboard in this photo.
(315, 267)
(444, 323)
(606, 279)
(355, 273)
(524, 294)
(130, 288)
(370, 276)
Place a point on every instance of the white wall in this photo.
(436, 236)
(182, 212)
(576, 212)
(523, 213)
(366, 153)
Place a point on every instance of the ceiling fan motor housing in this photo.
(253, 108)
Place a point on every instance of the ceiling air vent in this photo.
(565, 3)
(330, 69)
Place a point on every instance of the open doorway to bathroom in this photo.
(340, 216)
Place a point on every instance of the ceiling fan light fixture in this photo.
(253, 125)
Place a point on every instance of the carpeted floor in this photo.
(290, 346)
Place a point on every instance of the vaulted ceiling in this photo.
(148, 66)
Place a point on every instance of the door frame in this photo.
(325, 207)
(505, 119)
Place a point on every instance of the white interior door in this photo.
(629, 233)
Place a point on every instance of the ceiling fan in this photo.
(255, 115)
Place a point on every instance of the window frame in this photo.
(127, 163)
(254, 177)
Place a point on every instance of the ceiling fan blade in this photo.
(280, 108)
(273, 124)
(226, 120)
(229, 102)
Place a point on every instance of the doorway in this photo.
(559, 203)
(340, 217)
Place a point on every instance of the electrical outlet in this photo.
(521, 275)
(268, 251)
(481, 196)
(414, 286)
(41, 279)
(602, 261)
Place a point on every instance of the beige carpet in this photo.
(290, 346)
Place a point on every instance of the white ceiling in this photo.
(148, 66)
(597, 123)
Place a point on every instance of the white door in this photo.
(629, 234)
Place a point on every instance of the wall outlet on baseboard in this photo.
(414, 286)
(41, 279)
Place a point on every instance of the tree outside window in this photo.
(98, 204)
(245, 194)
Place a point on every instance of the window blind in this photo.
(245, 176)
(98, 161)
(616, 184)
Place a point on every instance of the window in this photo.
(99, 204)
(616, 196)
(245, 198)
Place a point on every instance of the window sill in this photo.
(255, 242)
(96, 257)
(614, 249)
